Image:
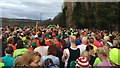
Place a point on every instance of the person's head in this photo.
(42, 41)
(3, 38)
(52, 49)
(106, 48)
(84, 40)
(64, 44)
(20, 44)
(10, 41)
(107, 38)
(73, 39)
(78, 36)
(92, 34)
(30, 58)
(98, 37)
(48, 62)
(104, 42)
(9, 50)
(102, 53)
(114, 56)
(54, 38)
(90, 49)
(65, 37)
(14, 33)
(115, 43)
(91, 40)
(85, 54)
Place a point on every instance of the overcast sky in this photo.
(30, 9)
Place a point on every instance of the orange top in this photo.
(37, 42)
(14, 47)
(47, 42)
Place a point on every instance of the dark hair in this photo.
(42, 41)
(3, 38)
(78, 35)
(9, 50)
(64, 36)
(89, 47)
(52, 49)
(64, 44)
(91, 40)
(10, 41)
(27, 33)
(48, 63)
(27, 37)
(20, 44)
(98, 37)
(39, 34)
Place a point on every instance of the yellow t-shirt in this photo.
(94, 47)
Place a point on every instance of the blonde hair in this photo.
(102, 51)
(84, 40)
(85, 54)
(107, 38)
(115, 43)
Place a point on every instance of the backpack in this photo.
(48, 63)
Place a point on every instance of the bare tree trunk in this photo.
(69, 12)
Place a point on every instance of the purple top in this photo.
(104, 64)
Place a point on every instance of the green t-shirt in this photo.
(97, 61)
(1, 65)
(19, 51)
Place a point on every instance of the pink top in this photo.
(104, 64)
(97, 43)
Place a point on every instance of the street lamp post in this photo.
(37, 23)
(40, 17)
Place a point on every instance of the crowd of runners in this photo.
(57, 47)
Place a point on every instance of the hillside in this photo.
(17, 22)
